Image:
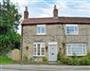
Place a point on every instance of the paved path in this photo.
(43, 68)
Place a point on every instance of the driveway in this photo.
(43, 68)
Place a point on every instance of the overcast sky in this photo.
(43, 8)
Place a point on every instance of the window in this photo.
(76, 49)
(71, 29)
(41, 29)
(38, 49)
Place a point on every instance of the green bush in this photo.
(64, 60)
(85, 61)
(45, 59)
(58, 56)
(26, 60)
(74, 60)
(61, 58)
(32, 60)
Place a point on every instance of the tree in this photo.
(9, 19)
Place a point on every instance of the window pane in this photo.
(41, 29)
(38, 47)
(42, 50)
(38, 29)
(76, 49)
(34, 51)
(71, 29)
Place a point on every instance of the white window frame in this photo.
(76, 29)
(39, 32)
(70, 49)
(35, 45)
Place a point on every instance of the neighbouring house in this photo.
(45, 37)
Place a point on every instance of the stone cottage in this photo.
(45, 37)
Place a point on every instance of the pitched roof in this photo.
(59, 20)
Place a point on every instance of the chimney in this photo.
(55, 12)
(26, 13)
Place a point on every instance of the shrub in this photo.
(32, 60)
(64, 60)
(26, 60)
(85, 61)
(61, 58)
(74, 60)
(45, 59)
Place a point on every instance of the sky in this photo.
(44, 8)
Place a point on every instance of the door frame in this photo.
(52, 43)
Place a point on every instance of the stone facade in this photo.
(54, 32)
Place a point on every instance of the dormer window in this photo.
(71, 29)
(41, 29)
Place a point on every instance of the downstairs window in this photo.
(76, 49)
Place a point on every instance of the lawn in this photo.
(5, 60)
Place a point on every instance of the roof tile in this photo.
(59, 20)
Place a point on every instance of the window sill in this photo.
(76, 55)
(38, 56)
(71, 34)
(41, 34)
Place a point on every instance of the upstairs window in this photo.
(71, 29)
(41, 29)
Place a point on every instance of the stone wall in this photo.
(14, 55)
(54, 33)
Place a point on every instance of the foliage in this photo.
(9, 17)
(5, 60)
(74, 60)
(35, 60)
(32, 60)
(85, 60)
(26, 60)
(61, 58)
(45, 59)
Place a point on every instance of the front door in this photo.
(52, 51)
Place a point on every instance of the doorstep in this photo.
(52, 62)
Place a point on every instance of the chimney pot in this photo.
(55, 12)
(26, 13)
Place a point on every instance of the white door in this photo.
(52, 51)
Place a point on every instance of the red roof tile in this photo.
(59, 20)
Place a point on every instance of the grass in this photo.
(5, 60)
